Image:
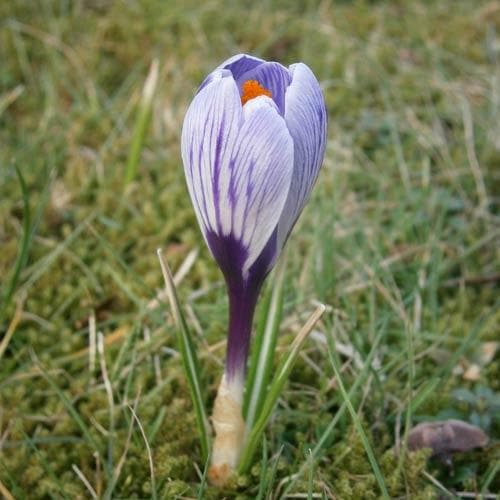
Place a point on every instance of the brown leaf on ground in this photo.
(473, 373)
(488, 352)
(446, 437)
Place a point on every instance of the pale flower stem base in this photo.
(229, 429)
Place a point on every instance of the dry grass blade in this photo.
(109, 393)
(92, 344)
(150, 457)
(189, 358)
(181, 273)
(9, 97)
(119, 466)
(264, 345)
(275, 389)
(5, 492)
(12, 328)
(85, 481)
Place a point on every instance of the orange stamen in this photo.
(252, 89)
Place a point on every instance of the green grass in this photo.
(400, 240)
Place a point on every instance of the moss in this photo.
(174, 489)
(391, 73)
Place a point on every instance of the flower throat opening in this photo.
(252, 89)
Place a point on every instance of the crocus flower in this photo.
(253, 141)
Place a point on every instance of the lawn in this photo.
(400, 240)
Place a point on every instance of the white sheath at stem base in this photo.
(229, 430)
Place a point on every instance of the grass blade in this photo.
(142, 122)
(428, 387)
(85, 481)
(73, 413)
(263, 472)
(43, 265)
(11, 329)
(310, 479)
(22, 256)
(5, 492)
(490, 476)
(357, 423)
(189, 358)
(46, 467)
(253, 438)
(203, 482)
(261, 361)
(10, 97)
(150, 456)
(326, 436)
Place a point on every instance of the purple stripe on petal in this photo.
(216, 174)
(306, 119)
(272, 76)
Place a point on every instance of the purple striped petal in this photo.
(240, 64)
(238, 163)
(210, 128)
(272, 76)
(237, 65)
(306, 119)
(261, 177)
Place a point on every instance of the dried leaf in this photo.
(488, 351)
(446, 437)
(473, 373)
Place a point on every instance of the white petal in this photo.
(209, 131)
(260, 179)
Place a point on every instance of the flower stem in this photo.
(227, 417)
(242, 301)
(229, 429)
